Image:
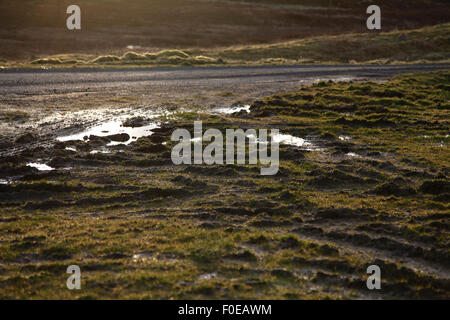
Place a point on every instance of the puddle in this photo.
(207, 276)
(70, 149)
(111, 123)
(291, 140)
(112, 128)
(353, 155)
(115, 126)
(233, 109)
(40, 166)
(285, 139)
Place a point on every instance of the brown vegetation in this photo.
(30, 29)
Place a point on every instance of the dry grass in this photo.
(34, 29)
(428, 44)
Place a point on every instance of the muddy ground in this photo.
(87, 179)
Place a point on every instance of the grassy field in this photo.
(374, 190)
(428, 44)
(37, 28)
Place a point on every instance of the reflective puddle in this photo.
(353, 155)
(233, 109)
(109, 129)
(207, 276)
(115, 123)
(40, 166)
(290, 140)
(112, 128)
(116, 127)
(280, 138)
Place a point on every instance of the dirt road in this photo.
(35, 82)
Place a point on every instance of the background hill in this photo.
(35, 28)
